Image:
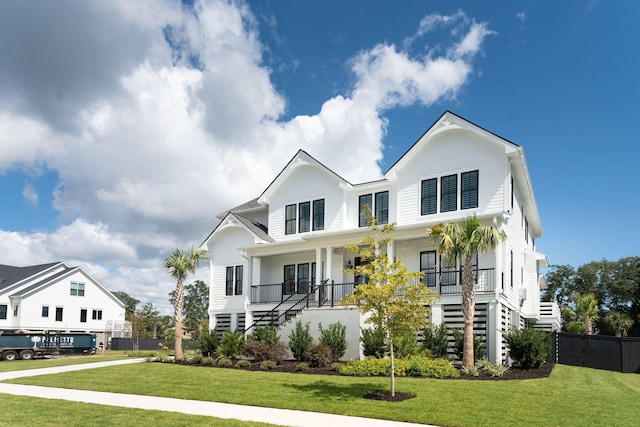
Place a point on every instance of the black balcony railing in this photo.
(449, 281)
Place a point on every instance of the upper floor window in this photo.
(96, 315)
(45, 311)
(469, 190)
(83, 315)
(449, 193)
(3, 311)
(298, 217)
(234, 280)
(77, 289)
(429, 196)
(58, 314)
(379, 209)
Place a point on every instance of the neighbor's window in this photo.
(96, 315)
(58, 314)
(45, 311)
(83, 315)
(77, 289)
(3, 311)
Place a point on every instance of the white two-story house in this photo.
(281, 256)
(56, 297)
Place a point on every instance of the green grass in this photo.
(571, 396)
(29, 411)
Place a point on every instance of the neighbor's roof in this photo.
(10, 275)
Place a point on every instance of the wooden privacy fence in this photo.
(620, 354)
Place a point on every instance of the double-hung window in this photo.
(77, 289)
(3, 311)
(299, 278)
(318, 214)
(96, 315)
(234, 280)
(300, 218)
(376, 205)
(469, 190)
(45, 311)
(449, 193)
(365, 208)
(429, 196)
(428, 268)
(289, 286)
(83, 315)
(290, 219)
(58, 314)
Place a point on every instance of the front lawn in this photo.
(571, 396)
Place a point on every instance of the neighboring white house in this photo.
(56, 297)
(281, 256)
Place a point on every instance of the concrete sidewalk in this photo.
(285, 417)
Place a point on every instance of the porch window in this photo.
(289, 279)
(469, 190)
(448, 193)
(448, 273)
(290, 219)
(239, 278)
(365, 205)
(382, 207)
(318, 214)
(304, 217)
(429, 199)
(303, 278)
(428, 268)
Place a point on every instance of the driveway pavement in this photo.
(284, 417)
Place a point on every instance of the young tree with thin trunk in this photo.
(180, 264)
(396, 300)
(463, 241)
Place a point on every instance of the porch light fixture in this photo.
(349, 266)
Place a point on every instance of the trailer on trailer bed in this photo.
(26, 346)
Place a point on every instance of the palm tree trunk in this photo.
(179, 308)
(468, 311)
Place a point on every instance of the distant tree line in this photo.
(601, 295)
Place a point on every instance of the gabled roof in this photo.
(250, 206)
(38, 284)
(232, 219)
(10, 275)
(449, 121)
(301, 158)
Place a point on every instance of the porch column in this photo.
(329, 264)
(391, 251)
(318, 266)
(494, 332)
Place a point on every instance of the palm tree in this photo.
(463, 241)
(586, 310)
(180, 264)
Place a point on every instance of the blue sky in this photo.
(117, 144)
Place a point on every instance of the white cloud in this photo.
(149, 148)
(30, 194)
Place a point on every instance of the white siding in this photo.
(306, 184)
(448, 154)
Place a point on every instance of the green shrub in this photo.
(231, 344)
(302, 367)
(479, 351)
(472, 370)
(334, 337)
(261, 350)
(435, 339)
(373, 343)
(208, 343)
(336, 366)
(225, 362)
(267, 334)
(195, 359)
(268, 365)
(417, 366)
(497, 370)
(208, 361)
(299, 340)
(318, 356)
(243, 364)
(529, 347)
(406, 346)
